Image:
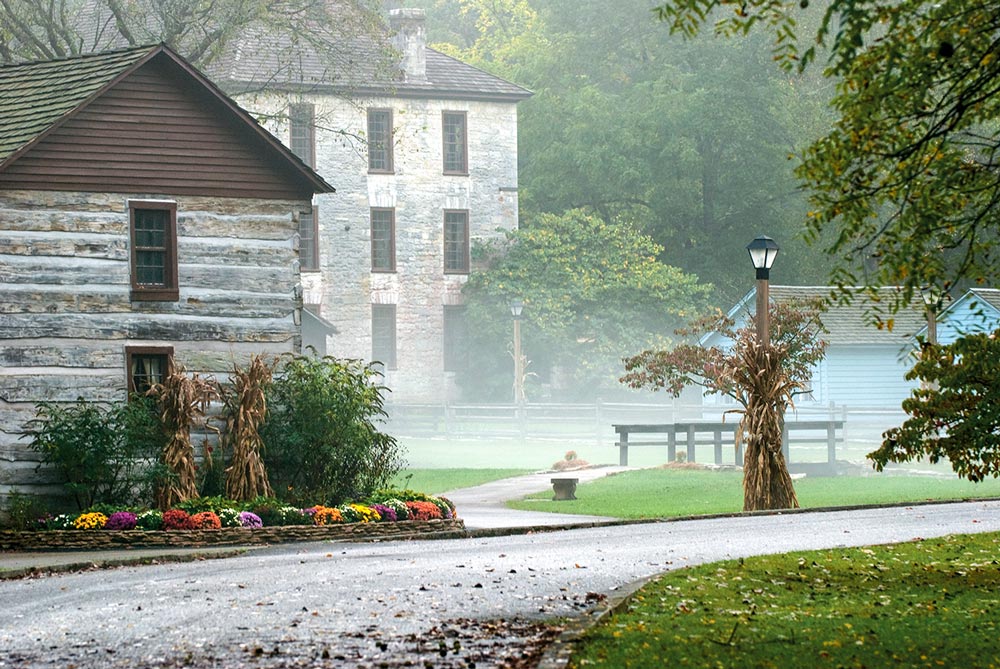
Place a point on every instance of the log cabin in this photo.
(145, 220)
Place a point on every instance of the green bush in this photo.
(106, 454)
(321, 442)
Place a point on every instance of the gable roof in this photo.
(37, 98)
(358, 69)
(853, 323)
(978, 310)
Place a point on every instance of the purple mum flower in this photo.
(387, 514)
(249, 519)
(121, 520)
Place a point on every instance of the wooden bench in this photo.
(696, 434)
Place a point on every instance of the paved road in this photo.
(395, 604)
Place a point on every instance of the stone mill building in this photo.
(425, 156)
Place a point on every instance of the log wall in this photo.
(66, 314)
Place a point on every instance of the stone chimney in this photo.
(410, 39)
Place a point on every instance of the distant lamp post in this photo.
(516, 306)
(932, 299)
(763, 251)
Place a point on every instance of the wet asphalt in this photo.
(474, 602)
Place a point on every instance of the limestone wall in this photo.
(420, 192)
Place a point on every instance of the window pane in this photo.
(300, 130)
(454, 143)
(456, 241)
(456, 348)
(380, 140)
(308, 256)
(384, 334)
(147, 370)
(150, 268)
(383, 242)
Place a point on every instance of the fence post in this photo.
(597, 422)
(831, 442)
(690, 444)
(672, 444)
(718, 447)
(622, 446)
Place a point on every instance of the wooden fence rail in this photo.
(696, 434)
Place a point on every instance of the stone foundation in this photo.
(11, 540)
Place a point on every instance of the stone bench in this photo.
(564, 488)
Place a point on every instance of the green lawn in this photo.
(437, 481)
(659, 493)
(931, 603)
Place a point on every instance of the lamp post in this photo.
(932, 299)
(516, 306)
(763, 251)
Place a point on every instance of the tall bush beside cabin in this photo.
(322, 441)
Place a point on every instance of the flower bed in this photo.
(216, 521)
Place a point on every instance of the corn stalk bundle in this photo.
(181, 403)
(769, 390)
(246, 407)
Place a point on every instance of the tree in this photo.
(203, 31)
(907, 176)
(687, 142)
(955, 414)
(763, 379)
(592, 292)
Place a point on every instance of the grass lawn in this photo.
(930, 603)
(436, 481)
(659, 493)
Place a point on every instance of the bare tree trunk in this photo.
(766, 481)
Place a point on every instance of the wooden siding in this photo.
(865, 376)
(970, 315)
(66, 317)
(155, 131)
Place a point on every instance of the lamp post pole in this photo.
(515, 309)
(763, 251)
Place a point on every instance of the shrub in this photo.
(90, 521)
(230, 517)
(177, 519)
(60, 522)
(121, 520)
(321, 438)
(206, 520)
(398, 507)
(359, 513)
(325, 515)
(250, 519)
(151, 520)
(106, 454)
(289, 515)
(199, 504)
(386, 514)
(423, 511)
